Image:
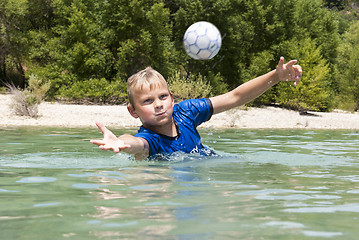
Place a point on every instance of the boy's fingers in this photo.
(97, 142)
(106, 147)
(298, 74)
(299, 69)
(281, 62)
(291, 63)
(101, 127)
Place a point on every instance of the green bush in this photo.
(96, 91)
(312, 92)
(188, 87)
(217, 83)
(57, 77)
(259, 65)
(348, 69)
(70, 42)
(346, 102)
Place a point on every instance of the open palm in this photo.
(109, 141)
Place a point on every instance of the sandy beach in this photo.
(72, 116)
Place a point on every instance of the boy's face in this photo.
(153, 107)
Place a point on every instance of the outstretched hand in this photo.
(289, 71)
(109, 141)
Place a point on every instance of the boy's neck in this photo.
(168, 129)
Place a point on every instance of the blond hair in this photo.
(147, 77)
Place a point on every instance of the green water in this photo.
(280, 184)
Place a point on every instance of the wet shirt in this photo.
(187, 116)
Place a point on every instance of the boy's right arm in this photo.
(126, 143)
(257, 86)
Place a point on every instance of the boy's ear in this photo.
(132, 110)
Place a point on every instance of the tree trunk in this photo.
(22, 75)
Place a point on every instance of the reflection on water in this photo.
(264, 184)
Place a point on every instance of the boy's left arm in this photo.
(136, 146)
(257, 86)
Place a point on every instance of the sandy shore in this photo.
(67, 115)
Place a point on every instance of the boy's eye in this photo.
(164, 96)
(147, 101)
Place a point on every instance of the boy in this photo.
(167, 127)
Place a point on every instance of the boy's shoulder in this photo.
(185, 102)
(199, 110)
(197, 103)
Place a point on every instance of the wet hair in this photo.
(147, 77)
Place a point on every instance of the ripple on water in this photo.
(36, 180)
(353, 207)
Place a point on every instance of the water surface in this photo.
(266, 184)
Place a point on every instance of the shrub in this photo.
(217, 83)
(189, 86)
(25, 103)
(259, 65)
(348, 69)
(94, 91)
(313, 92)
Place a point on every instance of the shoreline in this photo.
(80, 116)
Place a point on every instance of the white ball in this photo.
(202, 40)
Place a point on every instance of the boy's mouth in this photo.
(160, 114)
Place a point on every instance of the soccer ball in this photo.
(202, 40)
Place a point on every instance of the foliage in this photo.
(259, 66)
(313, 92)
(38, 88)
(25, 103)
(320, 25)
(79, 43)
(217, 83)
(94, 91)
(348, 68)
(190, 86)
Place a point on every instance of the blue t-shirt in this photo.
(187, 116)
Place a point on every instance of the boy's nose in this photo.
(158, 103)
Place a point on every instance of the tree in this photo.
(348, 68)
(13, 37)
(23, 22)
(313, 92)
(78, 42)
(336, 4)
(316, 22)
(93, 41)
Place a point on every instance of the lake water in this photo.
(266, 184)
